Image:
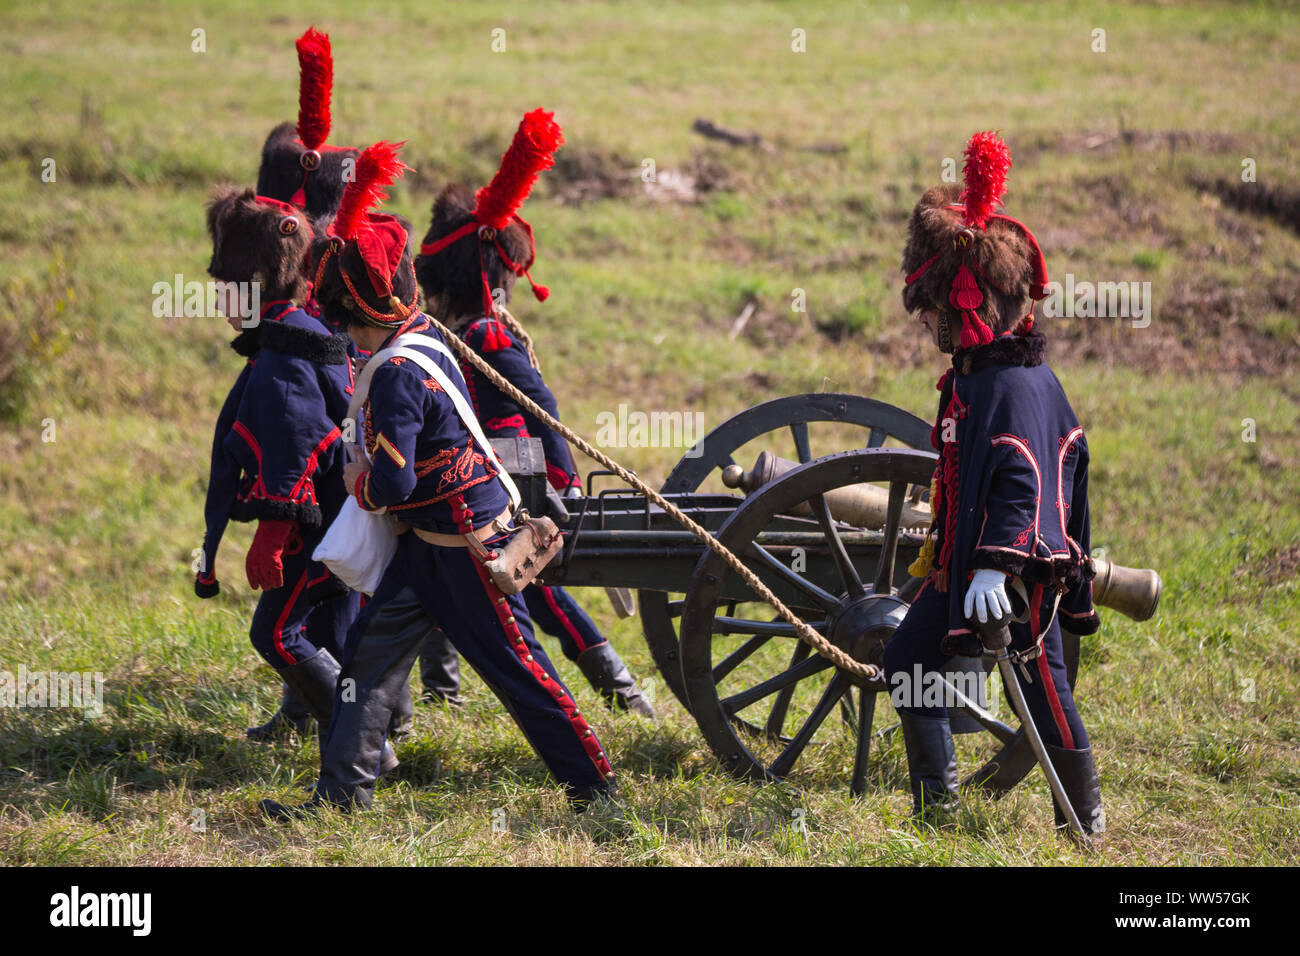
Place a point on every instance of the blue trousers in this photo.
(427, 586)
(1047, 688)
(558, 614)
(290, 624)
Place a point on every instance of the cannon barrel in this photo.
(863, 505)
(1134, 592)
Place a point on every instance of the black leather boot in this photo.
(316, 680)
(931, 763)
(1078, 775)
(440, 671)
(380, 670)
(607, 673)
(292, 717)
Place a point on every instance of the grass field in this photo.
(1129, 166)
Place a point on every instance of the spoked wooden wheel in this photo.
(763, 698)
(782, 425)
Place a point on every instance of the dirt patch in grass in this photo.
(586, 173)
(1274, 567)
(1278, 203)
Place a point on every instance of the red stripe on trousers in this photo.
(564, 618)
(586, 735)
(278, 634)
(1045, 675)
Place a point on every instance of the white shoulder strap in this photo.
(456, 393)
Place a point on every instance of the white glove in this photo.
(987, 596)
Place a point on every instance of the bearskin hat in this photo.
(449, 266)
(452, 277)
(297, 166)
(968, 261)
(259, 238)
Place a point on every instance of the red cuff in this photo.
(361, 492)
(560, 479)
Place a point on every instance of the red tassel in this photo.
(540, 291)
(987, 162)
(974, 332)
(531, 152)
(965, 293)
(315, 82)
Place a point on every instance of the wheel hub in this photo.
(861, 626)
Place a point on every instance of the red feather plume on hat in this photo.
(531, 152)
(315, 82)
(380, 239)
(377, 168)
(987, 162)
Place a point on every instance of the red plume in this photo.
(315, 81)
(987, 163)
(377, 168)
(532, 151)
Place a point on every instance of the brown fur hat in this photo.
(253, 239)
(452, 276)
(1002, 257)
(281, 174)
(333, 295)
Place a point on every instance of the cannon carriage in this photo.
(832, 537)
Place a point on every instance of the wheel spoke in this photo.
(800, 432)
(824, 599)
(675, 608)
(740, 625)
(876, 437)
(804, 669)
(848, 713)
(738, 656)
(776, 718)
(834, 690)
(848, 573)
(866, 714)
(889, 549)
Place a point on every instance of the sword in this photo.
(996, 638)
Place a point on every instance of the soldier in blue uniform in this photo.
(425, 468)
(300, 168)
(276, 454)
(457, 266)
(1010, 496)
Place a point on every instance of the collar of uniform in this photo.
(1006, 349)
(416, 323)
(277, 310)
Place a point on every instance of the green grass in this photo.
(1194, 715)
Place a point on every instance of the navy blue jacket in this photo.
(276, 452)
(1020, 460)
(500, 415)
(425, 467)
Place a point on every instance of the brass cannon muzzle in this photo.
(862, 505)
(1134, 592)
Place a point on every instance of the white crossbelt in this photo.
(400, 347)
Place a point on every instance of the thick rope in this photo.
(822, 646)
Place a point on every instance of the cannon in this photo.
(832, 537)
